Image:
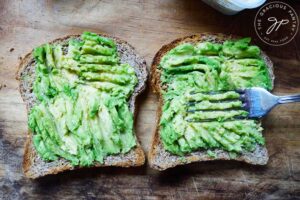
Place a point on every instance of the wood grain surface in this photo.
(147, 25)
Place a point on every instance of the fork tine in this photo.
(211, 92)
(240, 91)
(242, 97)
(192, 104)
(214, 120)
(209, 110)
(245, 106)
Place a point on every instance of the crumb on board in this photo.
(11, 49)
(2, 86)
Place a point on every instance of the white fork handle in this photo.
(289, 98)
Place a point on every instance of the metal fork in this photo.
(258, 101)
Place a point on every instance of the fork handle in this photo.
(289, 98)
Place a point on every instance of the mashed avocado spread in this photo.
(82, 111)
(198, 113)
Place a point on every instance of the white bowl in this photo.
(231, 7)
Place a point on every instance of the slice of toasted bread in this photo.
(33, 165)
(161, 159)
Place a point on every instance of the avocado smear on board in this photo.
(82, 112)
(198, 113)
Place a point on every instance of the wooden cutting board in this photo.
(147, 25)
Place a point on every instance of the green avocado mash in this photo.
(82, 111)
(197, 112)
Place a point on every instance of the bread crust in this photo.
(33, 165)
(158, 157)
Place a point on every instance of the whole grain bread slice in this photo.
(161, 159)
(33, 165)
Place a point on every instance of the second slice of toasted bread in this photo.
(161, 159)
